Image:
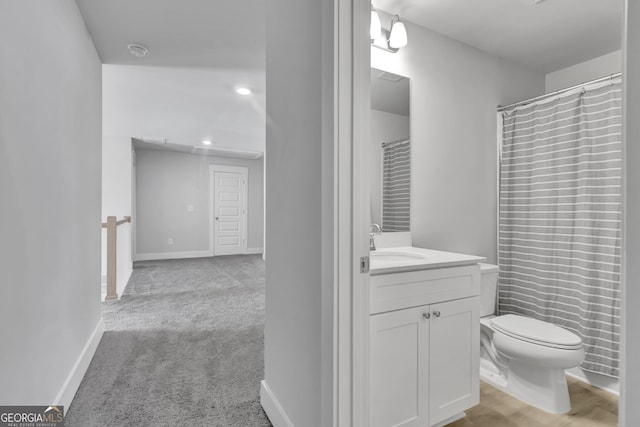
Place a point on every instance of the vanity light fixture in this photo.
(207, 142)
(398, 35)
(243, 90)
(391, 40)
(375, 28)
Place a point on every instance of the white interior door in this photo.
(230, 190)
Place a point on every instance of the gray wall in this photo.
(168, 181)
(592, 69)
(455, 90)
(298, 176)
(630, 385)
(50, 113)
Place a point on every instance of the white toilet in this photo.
(522, 356)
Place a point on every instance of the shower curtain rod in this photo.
(558, 92)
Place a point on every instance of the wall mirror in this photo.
(390, 151)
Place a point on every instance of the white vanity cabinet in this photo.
(423, 360)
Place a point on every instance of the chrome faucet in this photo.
(373, 230)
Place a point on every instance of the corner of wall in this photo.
(74, 378)
(272, 407)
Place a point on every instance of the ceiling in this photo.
(228, 37)
(179, 33)
(543, 37)
(182, 91)
(185, 105)
(139, 144)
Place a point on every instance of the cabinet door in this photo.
(454, 347)
(398, 368)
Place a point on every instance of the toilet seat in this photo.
(536, 332)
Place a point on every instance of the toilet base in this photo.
(545, 389)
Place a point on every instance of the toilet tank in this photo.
(488, 289)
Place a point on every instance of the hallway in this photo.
(183, 346)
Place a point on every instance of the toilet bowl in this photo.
(523, 356)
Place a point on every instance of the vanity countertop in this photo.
(402, 259)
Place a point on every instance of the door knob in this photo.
(436, 313)
(426, 315)
(216, 218)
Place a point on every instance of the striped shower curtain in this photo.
(396, 185)
(560, 217)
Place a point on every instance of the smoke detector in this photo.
(137, 50)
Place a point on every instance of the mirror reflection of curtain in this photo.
(396, 185)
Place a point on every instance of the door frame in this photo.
(351, 100)
(213, 168)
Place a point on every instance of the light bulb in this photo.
(244, 90)
(398, 36)
(375, 30)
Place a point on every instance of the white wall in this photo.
(50, 116)
(385, 127)
(592, 69)
(117, 187)
(455, 90)
(167, 182)
(630, 384)
(295, 214)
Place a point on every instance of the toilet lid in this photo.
(536, 331)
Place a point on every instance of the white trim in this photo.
(71, 384)
(626, 411)
(212, 188)
(499, 142)
(351, 206)
(343, 407)
(173, 255)
(251, 251)
(604, 382)
(361, 100)
(272, 407)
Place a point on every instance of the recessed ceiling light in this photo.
(206, 142)
(137, 50)
(242, 90)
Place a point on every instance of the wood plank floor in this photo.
(590, 407)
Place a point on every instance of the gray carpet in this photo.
(182, 347)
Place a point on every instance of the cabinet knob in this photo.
(426, 315)
(436, 313)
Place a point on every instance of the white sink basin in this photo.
(392, 259)
(395, 257)
(403, 259)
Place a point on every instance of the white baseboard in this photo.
(604, 382)
(71, 384)
(187, 254)
(272, 407)
(173, 255)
